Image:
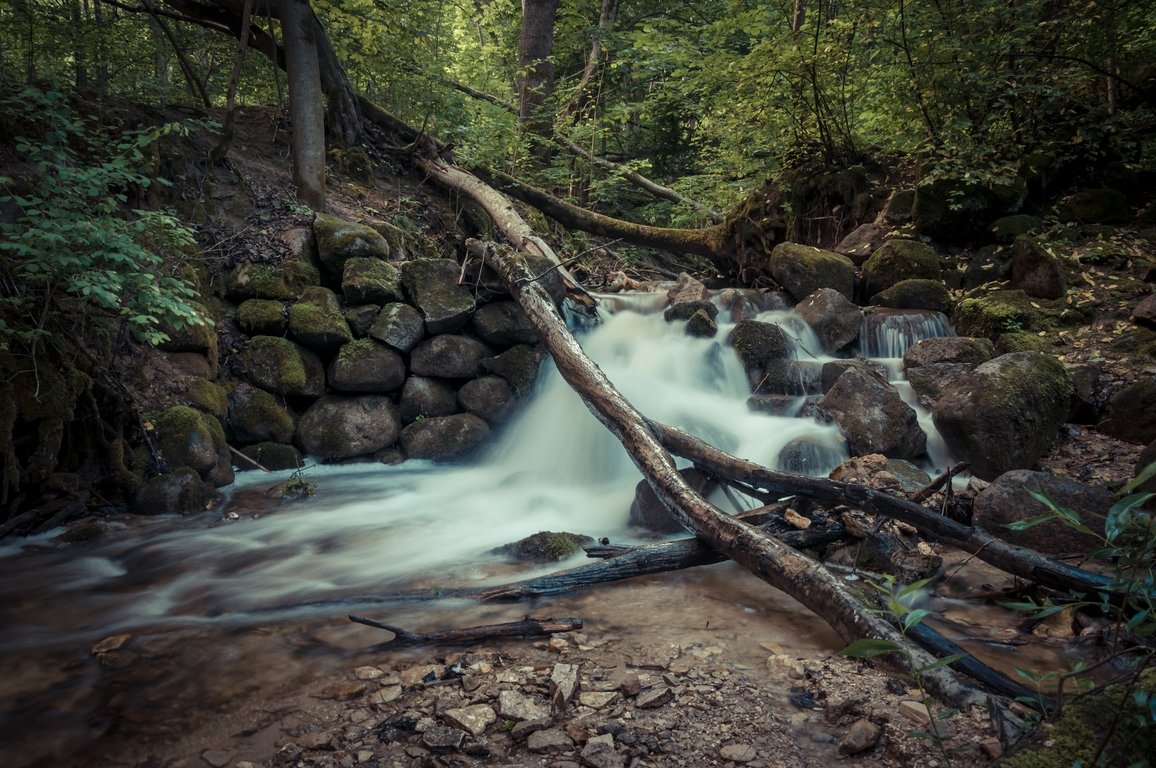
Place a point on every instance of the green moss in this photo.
(125, 467)
(1136, 342)
(987, 315)
(546, 545)
(208, 397)
(258, 415)
(262, 317)
(1024, 342)
(282, 368)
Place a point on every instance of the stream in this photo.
(206, 616)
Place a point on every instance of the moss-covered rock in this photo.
(444, 438)
(1131, 412)
(1005, 413)
(802, 270)
(371, 281)
(339, 240)
(283, 367)
(284, 281)
(317, 322)
(190, 438)
(256, 416)
(989, 315)
(399, 326)
(1019, 341)
(898, 260)
(263, 317)
(345, 427)
(1096, 206)
(181, 492)
(1036, 270)
(518, 365)
(916, 294)
(366, 366)
(206, 396)
(948, 349)
(1007, 228)
(758, 344)
(423, 397)
(545, 546)
(958, 209)
(361, 318)
(432, 286)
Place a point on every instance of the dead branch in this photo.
(527, 627)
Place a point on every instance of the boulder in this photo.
(422, 398)
(263, 317)
(1145, 311)
(899, 206)
(930, 382)
(1008, 500)
(489, 397)
(361, 318)
(684, 310)
(995, 313)
(861, 242)
(876, 471)
(399, 326)
(834, 318)
(181, 492)
(898, 260)
(503, 324)
(442, 438)
(648, 512)
(833, 369)
(256, 416)
(518, 365)
(339, 240)
(701, 325)
(1096, 206)
(370, 281)
(343, 427)
(872, 417)
(366, 366)
(758, 346)
(190, 438)
(1131, 412)
(685, 289)
(449, 356)
(1005, 413)
(916, 293)
(1007, 228)
(948, 349)
(284, 281)
(284, 368)
(432, 286)
(271, 456)
(1036, 271)
(545, 546)
(803, 269)
(207, 396)
(317, 323)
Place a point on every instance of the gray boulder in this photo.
(361, 318)
(370, 281)
(687, 288)
(422, 398)
(262, 317)
(948, 349)
(1008, 500)
(449, 357)
(317, 322)
(1036, 271)
(834, 318)
(504, 324)
(1005, 413)
(256, 416)
(1131, 412)
(489, 397)
(432, 286)
(339, 240)
(930, 382)
(833, 369)
(759, 345)
(271, 456)
(916, 293)
(873, 417)
(518, 365)
(366, 366)
(284, 368)
(190, 438)
(399, 326)
(444, 437)
(648, 512)
(344, 427)
(181, 492)
(802, 270)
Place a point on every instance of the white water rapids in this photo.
(373, 529)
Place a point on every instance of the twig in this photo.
(240, 455)
(527, 627)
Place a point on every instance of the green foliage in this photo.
(298, 486)
(74, 249)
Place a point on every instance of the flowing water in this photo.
(251, 599)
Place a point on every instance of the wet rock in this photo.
(648, 512)
(398, 326)
(1007, 500)
(272, 456)
(181, 492)
(809, 456)
(449, 357)
(317, 323)
(758, 345)
(701, 325)
(832, 370)
(1005, 413)
(599, 752)
(423, 398)
(1036, 271)
(432, 285)
(1131, 413)
(738, 753)
(513, 705)
(518, 365)
(284, 368)
(444, 437)
(370, 281)
(361, 318)
(339, 240)
(917, 293)
(187, 437)
(863, 735)
(687, 289)
(948, 349)
(802, 270)
(503, 324)
(487, 397)
(344, 427)
(898, 260)
(834, 318)
(545, 546)
(683, 310)
(473, 719)
(255, 416)
(778, 405)
(873, 417)
(366, 366)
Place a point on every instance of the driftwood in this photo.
(527, 627)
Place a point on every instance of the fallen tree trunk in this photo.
(1017, 561)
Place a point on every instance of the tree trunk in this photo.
(306, 111)
(535, 70)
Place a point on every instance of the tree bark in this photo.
(306, 112)
(535, 70)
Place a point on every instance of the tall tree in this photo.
(306, 101)
(535, 70)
